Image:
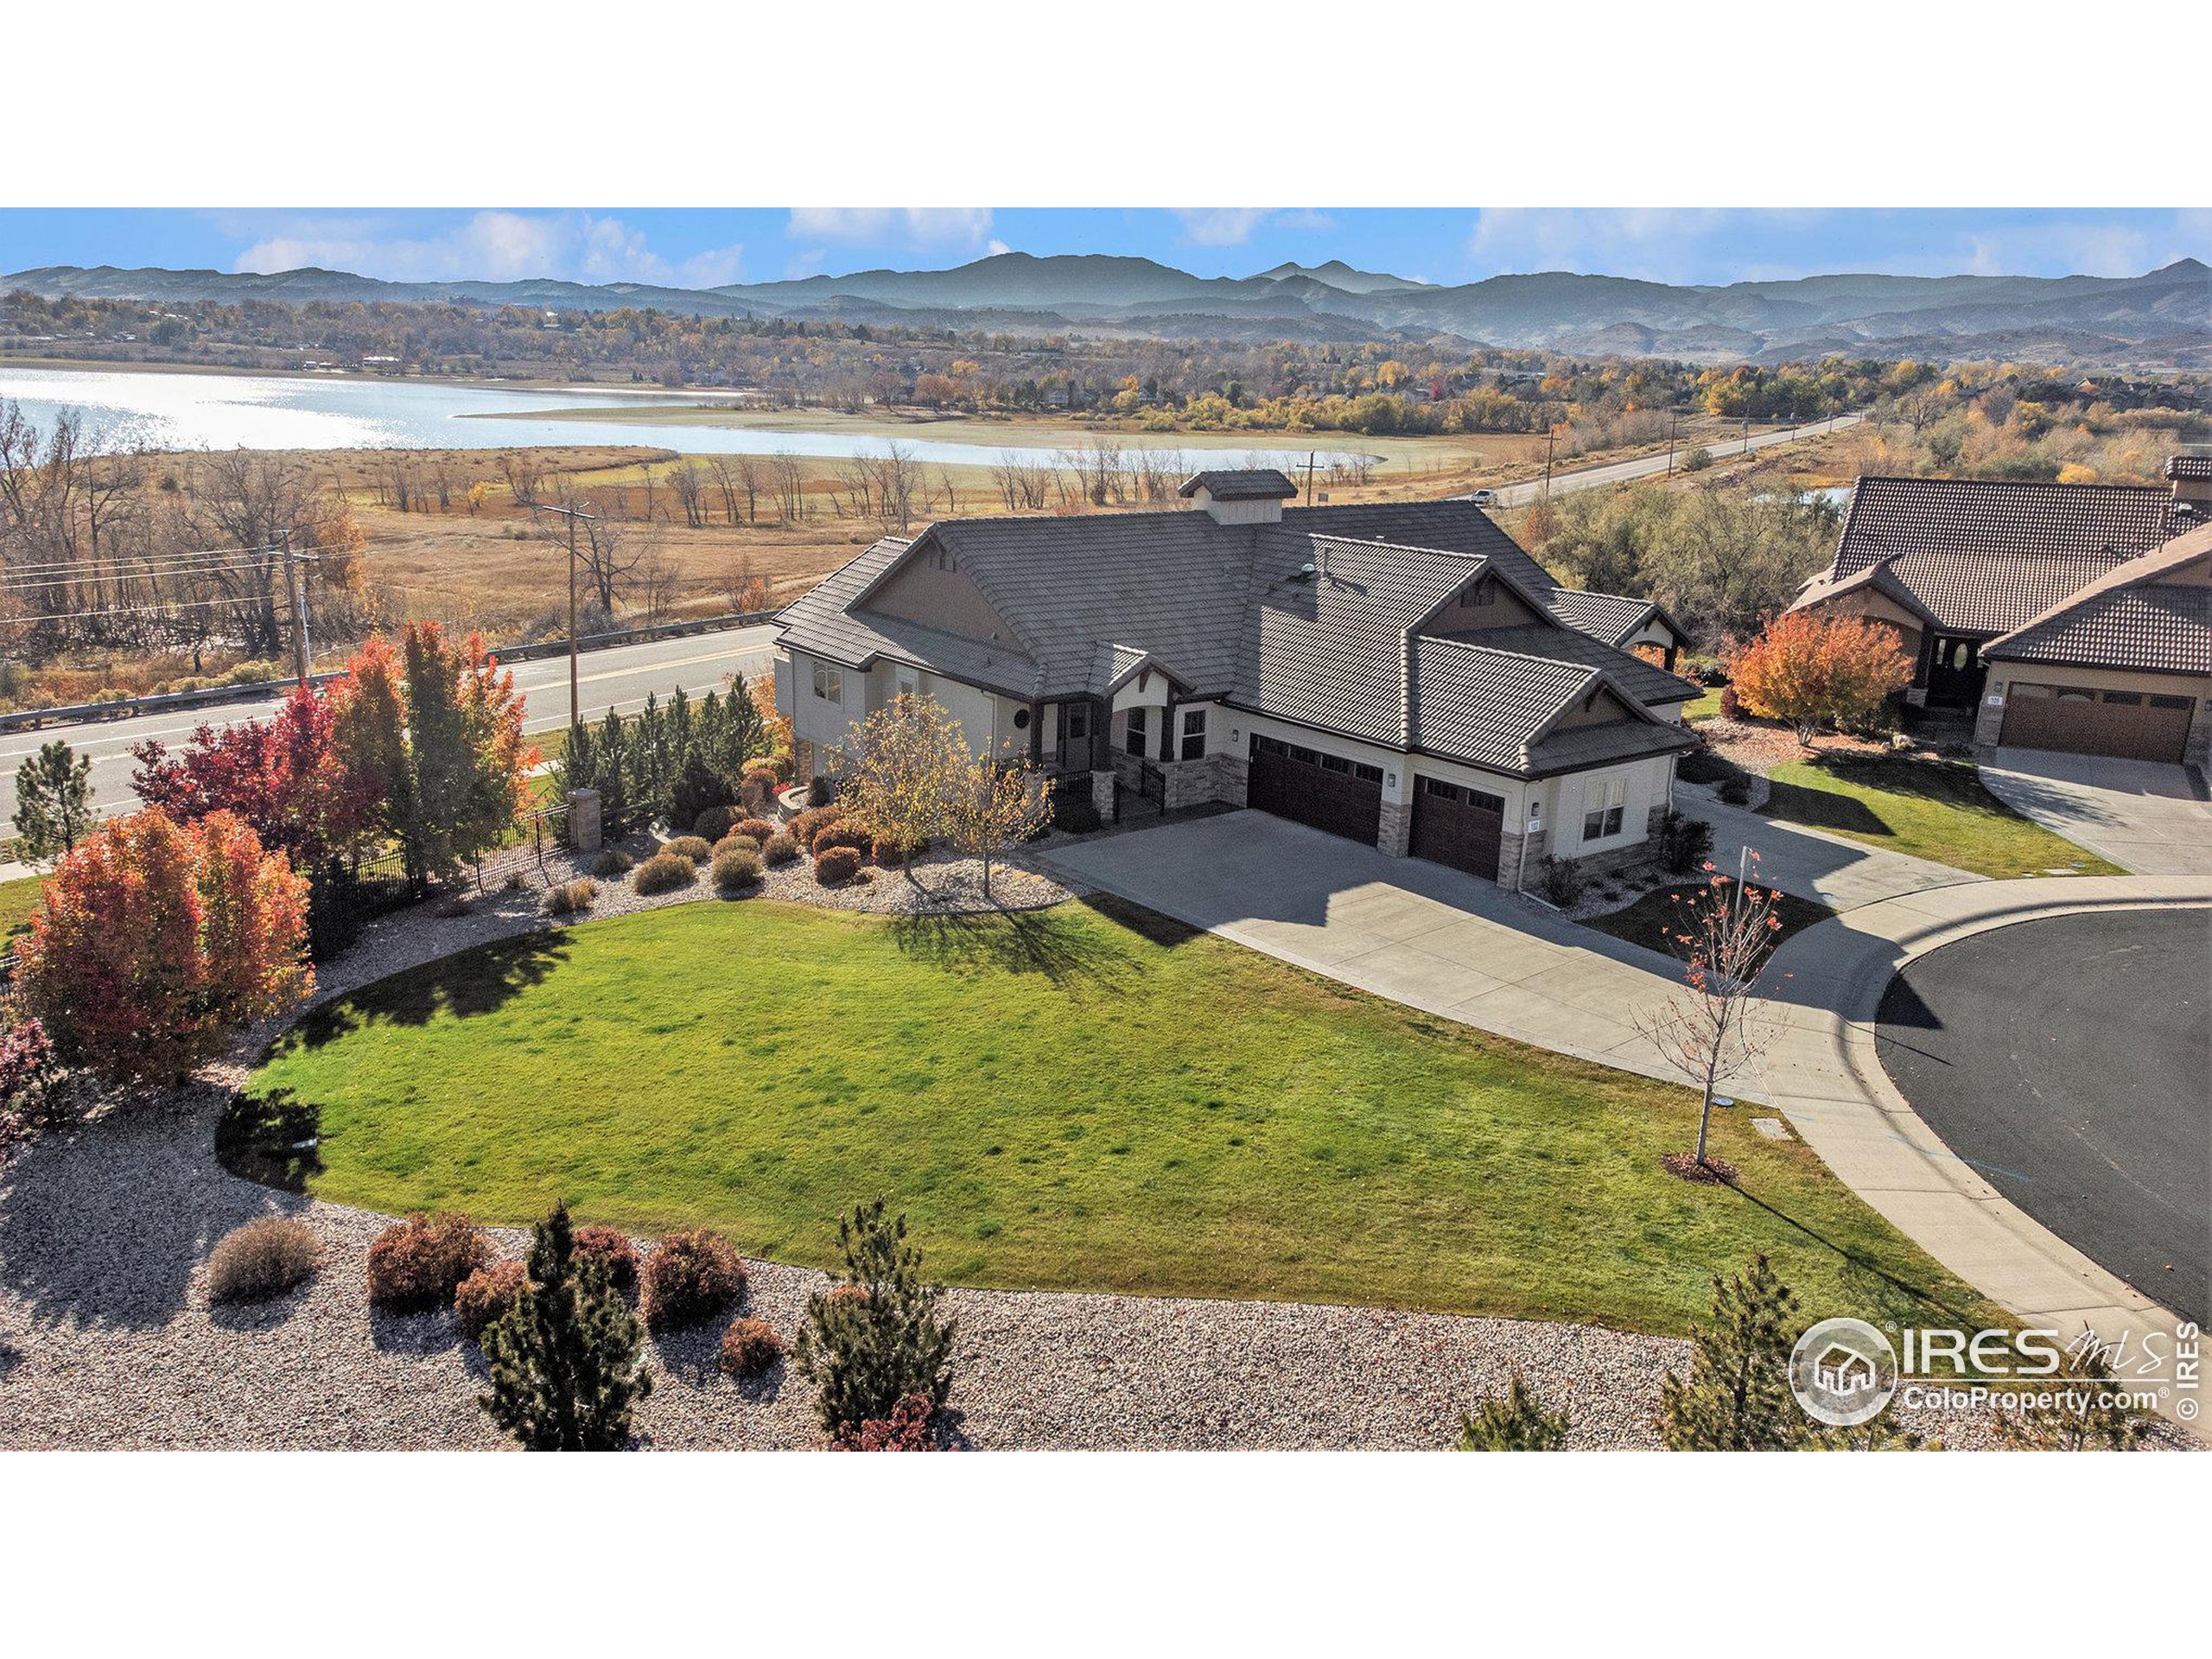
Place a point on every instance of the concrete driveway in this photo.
(1402, 928)
(2146, 817)
(1839, 872)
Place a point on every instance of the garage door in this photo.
(1325, 790)
(1457, 826)
(2134, 725)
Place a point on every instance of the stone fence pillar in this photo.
(583, 820)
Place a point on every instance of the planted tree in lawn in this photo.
(154, 939)
(1815, 670)
(874, 1342)
(53, 801)
(437, 729)
(1723, 933)
(566, 1359)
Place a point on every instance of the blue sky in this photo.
(704, 247)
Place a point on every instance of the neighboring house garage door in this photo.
(1339, 796)
(1459, 827)
(2134, 725)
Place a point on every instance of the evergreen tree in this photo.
(614, 769)
(566, 1370)
(1516, 1423)
(1737, 1396)
(698, 787)
(53, 801)
(876, 1339)
(2076, 1410)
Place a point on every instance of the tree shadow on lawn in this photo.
(1018, 942)
(1862, 1269)
(1795, 803)
(471, 982)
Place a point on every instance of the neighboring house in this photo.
(2068, 616)
(1403, 675)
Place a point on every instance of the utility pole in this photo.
(575, 711)
(1747, 434)
(296, 589)
(1673, 416)
(1551, 437)
(1309, 477)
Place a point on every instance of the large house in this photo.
(2076, 617)
(1403, 675)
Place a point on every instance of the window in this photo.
(1960, 653)
(828, 683)
(1075, 721)
(1134, 742)
(1368, 774)
(910, 683)
(2132, 699)
(1194, 734)
(1022, 720)
(2169, 702)
(1604, 802)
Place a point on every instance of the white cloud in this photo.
(1662, 245)
(914, 227)
(996, 247)
(2069, 249)
(491, 246)
(1221, 228)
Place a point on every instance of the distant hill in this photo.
(2161, 316)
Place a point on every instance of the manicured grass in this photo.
(1930, 809)
(1646, 921)
(1704, 707)
(18, 901)
(1091, 1097)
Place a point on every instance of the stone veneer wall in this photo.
(1397, 829)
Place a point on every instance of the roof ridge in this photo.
(2003, 483)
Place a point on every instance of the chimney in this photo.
(1253, 496)
(2190, 471)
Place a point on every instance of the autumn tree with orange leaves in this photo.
(436, 728)
(1815, 670)
(154, 939)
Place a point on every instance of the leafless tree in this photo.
(525, 477)
(689, 487)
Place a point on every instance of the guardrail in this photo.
(25, 720)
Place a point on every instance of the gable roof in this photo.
(2128, 618)
(1496, 707)
(1984, 556)
(1245, 484)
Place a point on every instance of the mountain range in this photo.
(2161, 319)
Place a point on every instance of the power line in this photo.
(141, 612)
(118, 578)
(273, 549)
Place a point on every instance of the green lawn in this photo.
(18, 899)
(1086, 1098)
(1647, 920)
(1930, 809)
(1704, 707)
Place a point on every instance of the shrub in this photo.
(1516, 1423)
(1563, 879)
(611, 861)
(906, 1429)
(843, 835)
(713, 824)
(1076, 814)
(820, 791)
(750, 1349)
(804, 826)
(697, 848)
(572, 897)
(29, 1069)
(737, 868)
(417, 1264)
(452, 907)
(1731, 705)
(611, 1246)
(836, 866)
(876, 1340)
(759, 829)
(759, 772)
(567, 1361)
(1697, 459)
(896, 848)
(745, 843)
(663, 873)
(265, 1258)
(779, 849)
(1736, 792)
(697, 788)
(487, 1294)
(692, 1276)
(1684, 842)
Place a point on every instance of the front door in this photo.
(1954, 672)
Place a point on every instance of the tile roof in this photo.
(1608, 617)
(1246, 484)
(1480, 702)
(1984, 556)
(819, 623)
(1645, 682)
(2129, 618)
(2188, 465)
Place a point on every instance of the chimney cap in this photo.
(1244, 484)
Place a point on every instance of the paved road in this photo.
(1619, 472)
(620, 676)
(2010, 1059)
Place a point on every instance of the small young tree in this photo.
(1815, 670)
(154, 939)
(995, 807)
(1516, 1423)
(566, 1360)
(53, 801)
(1737, 1395)
(2076, 1410)
(1723, 934)
(876, 1339)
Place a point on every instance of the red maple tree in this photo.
(154, 939)
(1815, 670)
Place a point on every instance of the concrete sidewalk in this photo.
(1823, 1073)
(1840, 872)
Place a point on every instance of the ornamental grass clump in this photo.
(759, 829)
(266, 1257)
(779, 850)
(416, 1264)
(697, 848)
(572, 897)
(737, 869)
(663, 873)
(691, 1278)
(611, 862)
